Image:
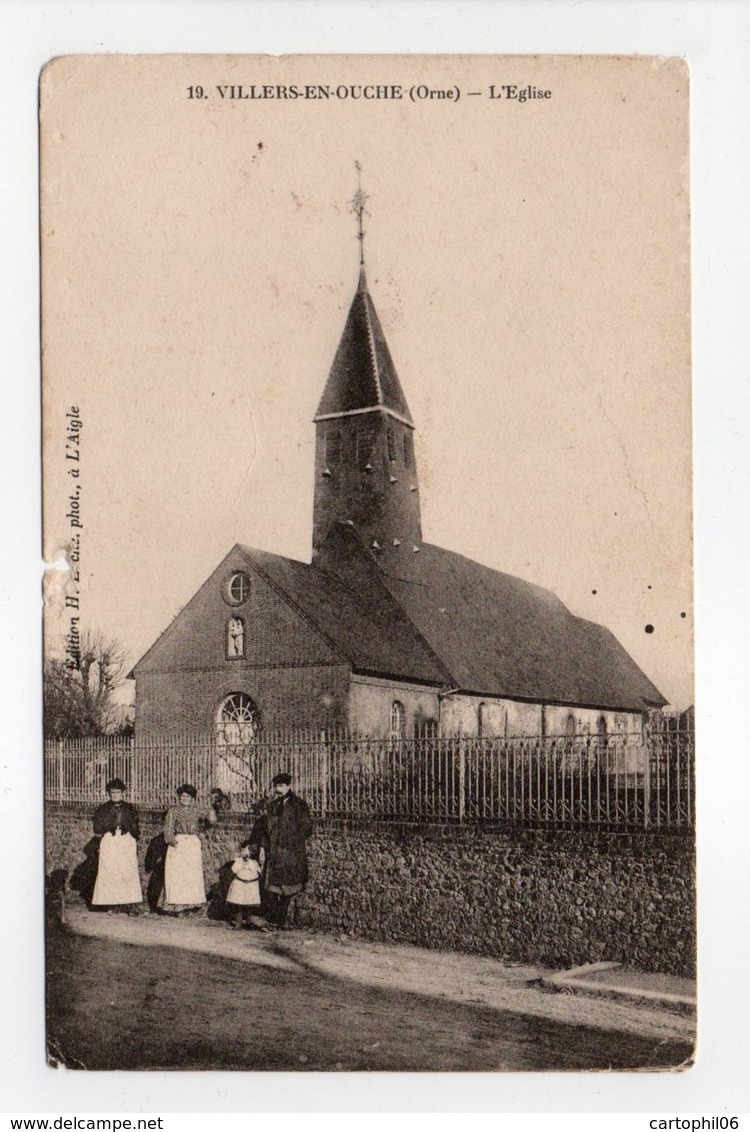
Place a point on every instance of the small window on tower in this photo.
(408, 450)
(365, 448)
(391, 444)
(333, 447)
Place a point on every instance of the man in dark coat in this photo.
(282, 832)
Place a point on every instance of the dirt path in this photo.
(138, 993)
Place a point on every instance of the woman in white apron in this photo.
(118, 883)
(184, 888)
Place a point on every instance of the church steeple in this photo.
(365, 471)
(363, 377)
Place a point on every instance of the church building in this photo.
(381, 633)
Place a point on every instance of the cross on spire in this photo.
(358, 208)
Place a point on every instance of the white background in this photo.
(714, 37)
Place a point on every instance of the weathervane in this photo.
(358, 208)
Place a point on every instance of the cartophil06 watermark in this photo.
(694, 1123)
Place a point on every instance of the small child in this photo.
(244, 891)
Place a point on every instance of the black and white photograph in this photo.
(369, 714)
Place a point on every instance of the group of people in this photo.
(269, 869)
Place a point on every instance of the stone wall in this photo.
(553, 897)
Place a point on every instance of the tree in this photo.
(79, 691)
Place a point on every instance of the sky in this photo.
(530, 266)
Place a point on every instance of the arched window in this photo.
(481, 720)
(601, 734)
(398, 721)
(569, 745)
(391, 444)
(237, 720)
(408, 449)
(236, 732)
(235, 638)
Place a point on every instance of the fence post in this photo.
(133, 784)
(647, 779)
(323, 772)
(60, 771)
(461, 778)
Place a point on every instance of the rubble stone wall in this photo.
(554, 897)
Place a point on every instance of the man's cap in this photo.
(282, 779)
(116, 784)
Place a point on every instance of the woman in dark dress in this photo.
(116, 824)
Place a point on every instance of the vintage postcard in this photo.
(369, 726)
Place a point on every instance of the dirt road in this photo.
(155, 993)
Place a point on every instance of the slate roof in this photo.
(363, 375)
(355, 613)
(500, 635)
(456, 623)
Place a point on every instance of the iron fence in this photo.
(637, 779)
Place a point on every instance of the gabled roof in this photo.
(353, 610)
(363, 375)
(451, 621)
(499, 635)
(447, 622)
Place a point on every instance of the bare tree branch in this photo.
(78, 700)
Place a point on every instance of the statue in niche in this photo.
(235, 637)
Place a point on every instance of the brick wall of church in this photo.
(286, 667)
(313, 696)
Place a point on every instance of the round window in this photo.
(237, 588)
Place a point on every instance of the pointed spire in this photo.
(363, 376)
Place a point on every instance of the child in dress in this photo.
(243, 897)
